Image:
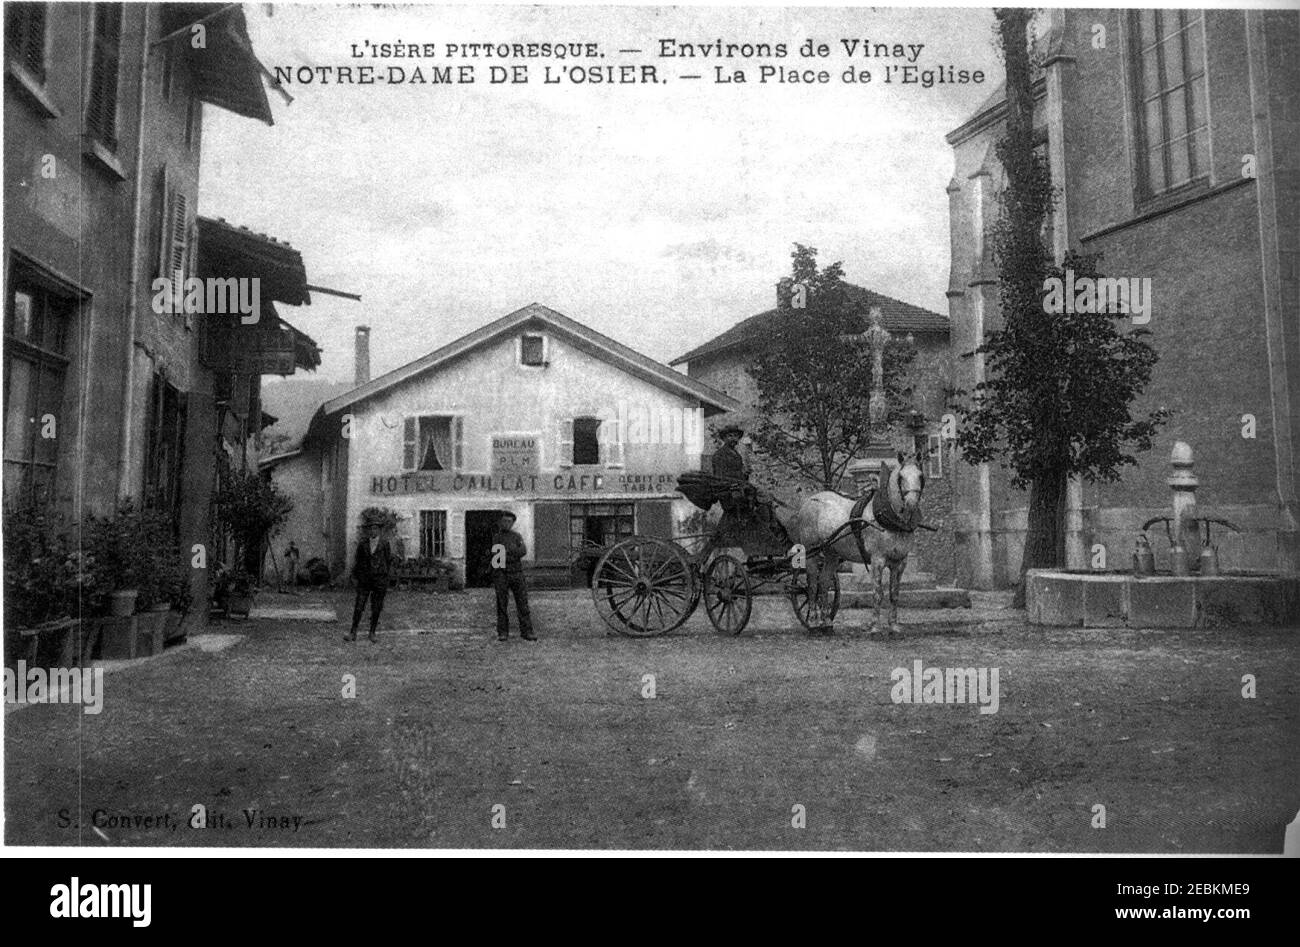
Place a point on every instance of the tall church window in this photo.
(1170, 101)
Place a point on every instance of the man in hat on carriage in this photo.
(747, 511)
(727, 461)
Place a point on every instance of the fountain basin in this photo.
(1123, 600)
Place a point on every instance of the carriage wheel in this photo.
(797, 592)
(644, 587)
(728, 596)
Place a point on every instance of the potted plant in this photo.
(442, 575)
(239, 592)
(47, 580)
(154, 565)
(115, 544)
(251, 509)
(125, 547)
(179, 597)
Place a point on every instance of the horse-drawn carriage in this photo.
(644, 587)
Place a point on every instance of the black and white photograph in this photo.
(606, 429)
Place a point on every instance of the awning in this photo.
(227, 251)
(225, 71)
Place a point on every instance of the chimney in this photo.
(363, 355)
(784, 290)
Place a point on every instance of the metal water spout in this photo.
(1144, 560)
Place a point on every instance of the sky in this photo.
(660, 214)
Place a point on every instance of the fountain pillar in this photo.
(1184, 556)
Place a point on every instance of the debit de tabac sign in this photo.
(563, 484)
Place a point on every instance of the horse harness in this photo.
(882, 511)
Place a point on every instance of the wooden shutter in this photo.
(654, 518)
(409, 445)
(178, 252)
(612, 436)
(566, 443)
(551, 534)
(101, 104)
(191, 261)
(25, 35)
(164, 221)
(458, 444)
(456, 534)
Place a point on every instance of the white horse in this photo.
(892, 515)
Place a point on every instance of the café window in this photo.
(38, 329)
(532, 349)
(25, 37)
(591, 441)
(433, 534)
(1170, 99)
(433, 442)
(594, 525)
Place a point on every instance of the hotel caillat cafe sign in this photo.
(515, 473)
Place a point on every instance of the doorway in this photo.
(479, 527)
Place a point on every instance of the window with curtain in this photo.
(1170, 100)
(432, 443)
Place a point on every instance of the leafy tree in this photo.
(251, 509)
(814, 376)
(1057, 399)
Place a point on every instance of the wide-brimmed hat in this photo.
(731, 428)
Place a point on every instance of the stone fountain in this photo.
(1192, 592)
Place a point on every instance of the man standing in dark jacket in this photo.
(370, 571)
(508, 551)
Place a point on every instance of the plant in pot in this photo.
(443, 572)
(155, 566)
(46, 580)
(239, 592)
(115, 544)
(179, 596)
(251, 510)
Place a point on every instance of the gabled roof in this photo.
(1047, 48)
(896, 315)
(537, 315)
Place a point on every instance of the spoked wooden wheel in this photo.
(644, 587)
(728, 596)
(797, 592)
